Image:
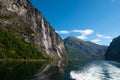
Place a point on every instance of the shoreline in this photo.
(22, 60)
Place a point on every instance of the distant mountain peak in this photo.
(73, 38)
(78, 48)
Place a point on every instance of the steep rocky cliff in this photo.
(84, 50)
(113, 52)
(21, 19)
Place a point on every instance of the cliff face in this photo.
(113, 52)
(84, 50)
(20, 18)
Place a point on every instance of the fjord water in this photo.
(74, 70)
(31, 70)
(98, 70)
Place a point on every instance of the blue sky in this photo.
(91, 20)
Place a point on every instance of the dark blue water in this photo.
(74, 70)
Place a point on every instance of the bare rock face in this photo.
(113, 52)
(28, 23)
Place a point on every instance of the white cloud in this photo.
(99, 35)
(107, 37)
(96, 41)
(63, 32)
(82, 37)
(84, 32)
(103, 36)
(76, 31)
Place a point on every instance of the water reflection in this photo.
(19, 70)
(52, 71)
(77, 70)
(31, 70)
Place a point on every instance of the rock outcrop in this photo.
(113, 52)
(20, 18)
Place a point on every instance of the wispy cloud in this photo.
(99, 35)
(63, 32)
(103, 36)
(108, 37)
(97, 41)
(84, 33)
(97, 38)
(82, 37)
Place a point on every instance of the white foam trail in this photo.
(97, 71)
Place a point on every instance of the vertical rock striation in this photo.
(28, 23)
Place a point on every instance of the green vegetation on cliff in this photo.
(6, 17)
(25, 34)
(14, 47)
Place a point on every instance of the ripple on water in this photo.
(98, 70)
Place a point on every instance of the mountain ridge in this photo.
(80, 49)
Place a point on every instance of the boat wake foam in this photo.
(98, 70)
